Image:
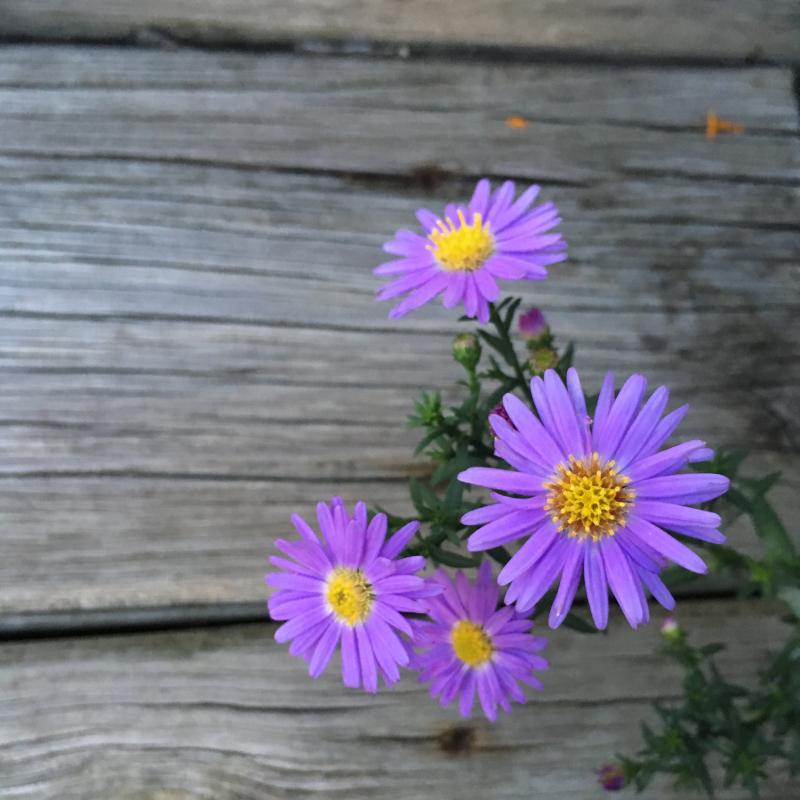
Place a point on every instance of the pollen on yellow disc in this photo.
(461, 246)
(350, 595)
(588, 499)
(471, 643)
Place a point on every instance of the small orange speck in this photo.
(516, 123)
(715, 125)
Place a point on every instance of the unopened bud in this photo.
(533, 326)
(670, 628)
(499, 411)
(542, 359)
(467, 350)
(611, 777)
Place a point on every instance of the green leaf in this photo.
(760, 486)
(508, 319)
(423, 498)
(500, 555)
(565, 362)
(449, 559)
(496, 343)
(777, 544)
(791, 596)
(426, 440)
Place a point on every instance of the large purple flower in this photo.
(594, 497)
(469, 647)
(465, 252)
(349, 587)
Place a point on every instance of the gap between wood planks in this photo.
(162, 39)
(30, 625)
(586, 31)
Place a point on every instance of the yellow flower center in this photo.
(459, 247)
(587, 499)
(350, 595)
(471, 643)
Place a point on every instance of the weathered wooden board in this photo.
(586, 123)
(190, 344)
(226, 713)
(738, 29)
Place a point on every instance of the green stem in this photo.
(511, 355)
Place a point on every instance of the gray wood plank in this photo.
(333, 114)
(155, 303)
(225, 712)
(740, 30)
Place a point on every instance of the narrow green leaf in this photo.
(791, 596)
(777, 544)
(426, 440)
(449, 559)
(500, 555)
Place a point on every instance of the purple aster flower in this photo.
(348, 586)
(595, 497)
(463, 253)
(469, 647)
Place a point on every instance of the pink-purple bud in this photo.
(670, 627)
(532, 324)
(611, 777)
(499, 411)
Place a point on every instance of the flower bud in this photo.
(542, 359)
(611, 777)
(499, 411)
(533, 326)
(670, 628)
(467, 350)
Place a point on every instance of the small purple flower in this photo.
(594, 497)
(611, 777)
(532, 324)
(465, 252)
(349, 587)
(469, 647)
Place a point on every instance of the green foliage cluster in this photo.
(744, 730)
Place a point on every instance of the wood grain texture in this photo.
(190, 346)
(586, 123)
(738, 29)
(226, 713)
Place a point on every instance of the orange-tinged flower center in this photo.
(588, 499)
(471, 643)
(461, 246)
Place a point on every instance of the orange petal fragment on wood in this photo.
(715, 125)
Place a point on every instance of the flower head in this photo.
(348, 587)
(469, 647)
(595, 497)
(611, 777)
(465, 251)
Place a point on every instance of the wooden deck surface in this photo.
(193, 196)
